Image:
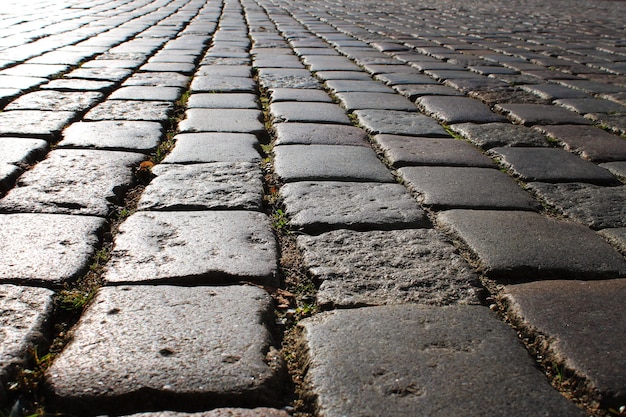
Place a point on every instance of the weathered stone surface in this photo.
(223, 101)
(466, 187)
(457, 110)
(216, 186)
(287, 78)
(46, 249)
(74, 181)
(617, 237)
(77, 84)
(410, 358)
(146, 93)
(20, 151)
(43, 124)
(407, 150)
(214, 147)
(344, 86)
(104, 74)
(395, 78)
(614, 122)
(330, 63)
(55, 101)
(595, 206)
(492, 135)
(584, 321)
(616, 168)
(194, 247)
(140, 348)
(220, 412)
(382, 101)
(540, 114)
(591, 105)
(413, 91)
(388, 267)
(299, 95)
(114, 135)
(153, 111)
(590, 142)
(308, 112)
(222, 120)
(399, 123)
(343, 75)
(551, 165)
(553, 91)
(316, 206)
(329, 163)
(522, 245)
(319, 134)
(222, 84)
(157, 79)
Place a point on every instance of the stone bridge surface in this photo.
(312, 207)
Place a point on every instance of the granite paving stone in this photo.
(554, 91)
(591, 105)
(25, 316)
(372, 100)
(399, 123)
(287, 78)
(20, 82)
(138, 348)
(590, 142)
(551, 165)
(222, 84)
(584, 321)
(223, 101)
(410, 150)
(540, 114)
(521, 245)
(35, 70)
(613, 122)
(616, 168)
(492, 135)
(320, 206)
(146, 93)
(617, 237)
(343, 86)
(138, 110)
(21, 151)
(311, 112)
(106, 74)
(387, 267)
(157, 79)
(222, 120)
(216, 186)
(74, 181)
(297, 94)
(595, 206)
(412, 357)
(220, 412)
(329, 163)
(36, 123)
(343, 75)
(55, 101)
(47, 249)
(77, 84)
(329, 63)
(319, 134)
(466, 187)
(395, 78)
(194, 148)
(413, 91)
(137, 136)
(452, 110)
(201, 247)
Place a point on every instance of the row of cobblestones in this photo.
(452, 176)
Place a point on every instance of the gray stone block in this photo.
(442, 361)
(298, 94)
(466, 187)
(138, 136)
(220, 412)
(616, 168)
(451, 110)
(151, 111)
(77, 84)
(387, 267)
(222, 84)
(551, 165)
(194, 148)
(381, 101)
(406, 150)
(55, 101)
(617, 237)
(44, 124)
(223, 101)
(590, 142)
(399, 123)
(540, 114)
(47, 249)
(157, 79)
(591, 105)
(415, 78)
(149, 93)
(194, 247)
(584, 321)
(319, 134)
(344, 86)
(222, 120)
(318, 206)
(216, 186)
(162, 347)
(74, 181)
(553, 91)
(287, 78)
(21, 151)
(308, 112)
(517, 245)
(413, 91)
(492, 135)
(329, 163)
(100, 74)
(330, 63)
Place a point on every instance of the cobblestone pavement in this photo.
(312, 207)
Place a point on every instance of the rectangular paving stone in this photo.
(223, 101)
(222, 120)
(329, 63)
(466, 187)
(73, 181)
(590, 142)
(408, 150)
(584, 321)
(519, 245)
(21, 151)
(492, 135)
(369, 100)
(220, 412)
(43, 124)
(551, 165)
(46, 249)
(540, 114)
(142, 348)
(55, 101)
(297, 94)
(329, 163)
(345, 86)
(311, 112)
(319, 134)
(215, 186)
(138, 136)
(436, 361)
(157, 79)
(223, 84)
(413, 91)
(138, 110)
(287, 78)
(77, 84)
(320, 206)
(194, 248)
(451, 110)
(194, 148)
(146, 93)
(387, 267)
(399, 123)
